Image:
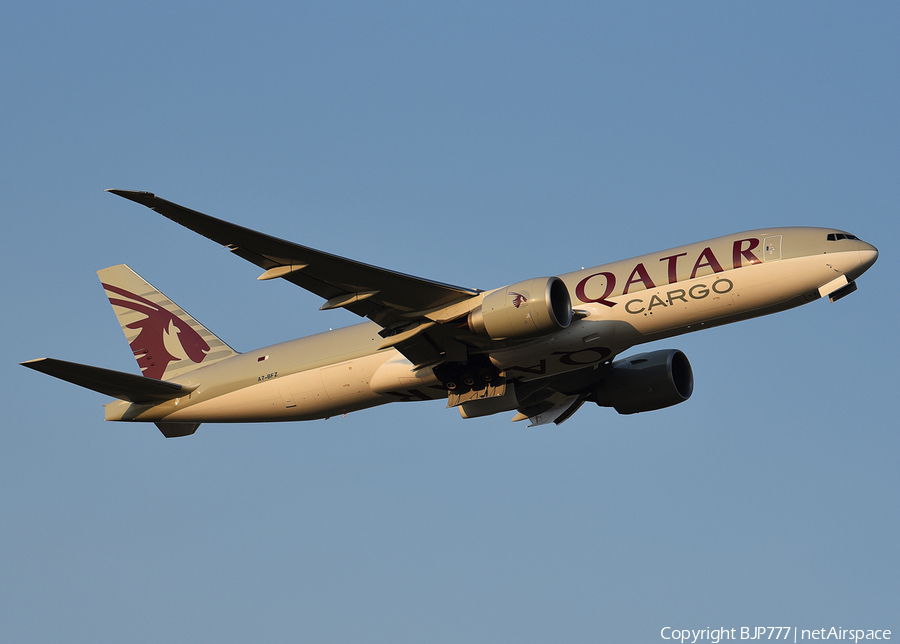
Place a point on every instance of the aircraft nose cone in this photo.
(867, 255)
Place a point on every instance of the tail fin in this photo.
(165, 340)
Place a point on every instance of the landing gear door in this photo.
(772, 250)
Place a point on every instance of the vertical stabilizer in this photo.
(165, 340)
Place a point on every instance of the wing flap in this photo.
(118, 384)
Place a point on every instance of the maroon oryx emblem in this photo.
(519, 299)
(149, 347)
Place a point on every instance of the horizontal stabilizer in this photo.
(118, 384)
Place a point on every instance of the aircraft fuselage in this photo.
(618, 306)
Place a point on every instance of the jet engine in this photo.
(524, 310)
(646, 382)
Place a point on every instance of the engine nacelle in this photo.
(526, 309)
(646, 382)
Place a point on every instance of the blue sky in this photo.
(476, 144)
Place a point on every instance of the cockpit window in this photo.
(838, 236)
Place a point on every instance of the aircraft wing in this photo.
(387, 297)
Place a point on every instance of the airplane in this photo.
(540, 348)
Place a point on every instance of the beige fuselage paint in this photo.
(624, 304)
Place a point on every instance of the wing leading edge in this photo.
(386, 297)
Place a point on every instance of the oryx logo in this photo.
(155, 345)
(518, 299)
